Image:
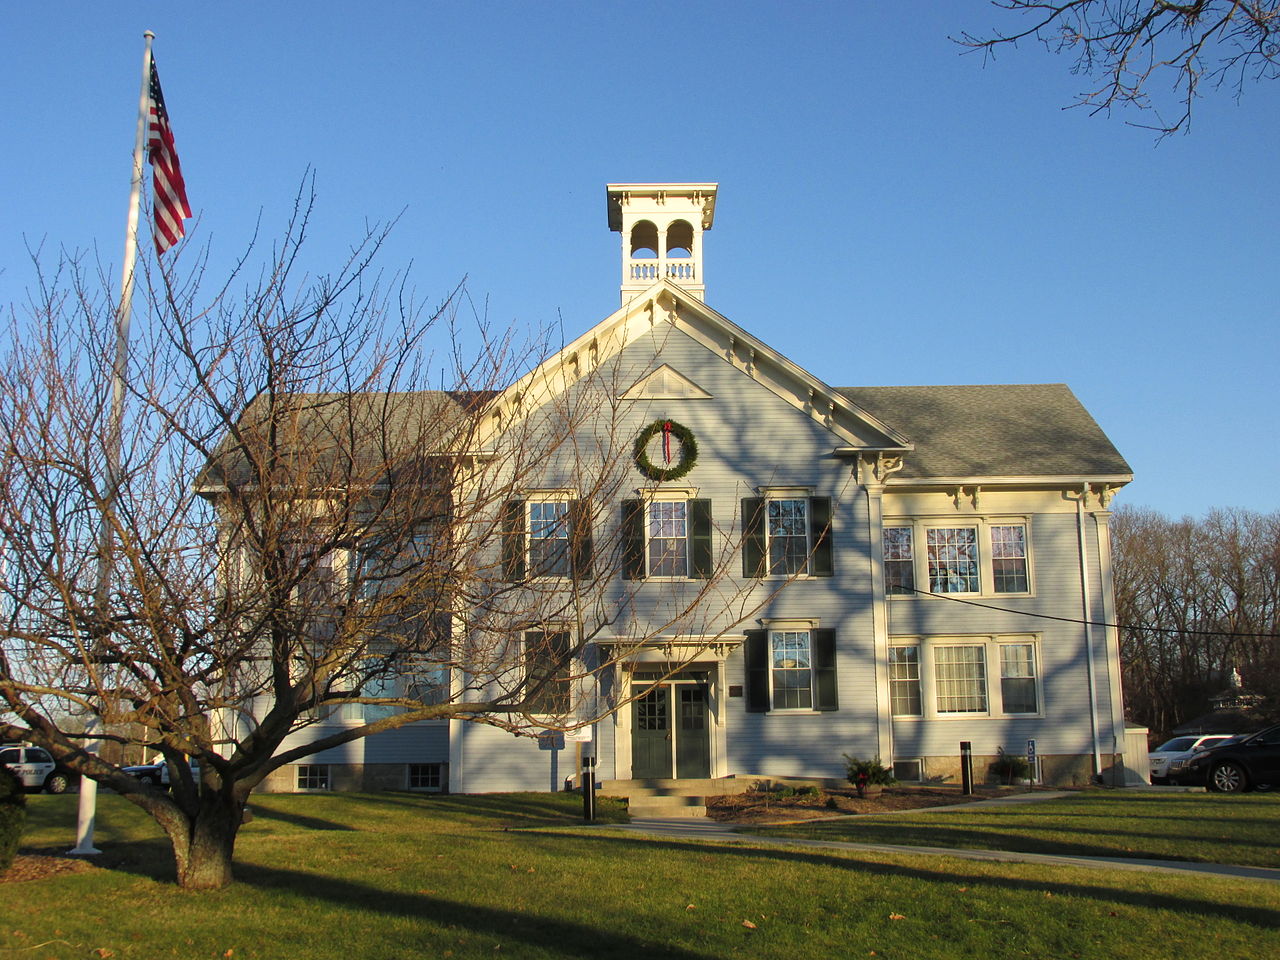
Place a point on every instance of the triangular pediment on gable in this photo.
(665, 305)
(666, 383)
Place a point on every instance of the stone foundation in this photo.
(1056, 770)
(351, 777)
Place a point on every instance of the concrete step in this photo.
(666, 808)
(675, 788)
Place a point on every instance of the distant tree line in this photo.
(1196, 598)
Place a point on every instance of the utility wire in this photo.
(1092, 623)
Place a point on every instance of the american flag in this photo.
(169, 204)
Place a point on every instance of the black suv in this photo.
(1242, 764)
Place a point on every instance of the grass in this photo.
(398, 875)
(1206, 828)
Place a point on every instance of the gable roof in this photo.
(998, 430)
(325, 438)
(666, 303)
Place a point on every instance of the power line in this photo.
(1092, 623)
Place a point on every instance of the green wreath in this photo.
(688, 451)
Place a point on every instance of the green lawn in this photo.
(1208, 828)
(398, 875)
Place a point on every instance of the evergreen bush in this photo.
(13, 816)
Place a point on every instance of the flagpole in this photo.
(88, 787)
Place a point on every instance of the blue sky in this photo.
(890, 211)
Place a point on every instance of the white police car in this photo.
(35, 768)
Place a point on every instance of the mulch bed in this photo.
(28, 866)
(765, 807)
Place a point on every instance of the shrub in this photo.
(13, 816)
(867, 773)
(1010, 767)
(809, 791)
(786, 793)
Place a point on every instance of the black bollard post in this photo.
(966, 768)
(588, 788)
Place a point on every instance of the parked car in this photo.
(157, 772)
(1246, 763)
(1181, 748)
(36, 769)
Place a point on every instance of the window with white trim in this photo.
(668, 538)
(791, 670)
(979, 557)
(1018, 678)
(1009, 558)
(787, 536)
(904, 680)
(899, 562)
(960, 678)
(957, 677)
(548, 538)
(952, 557)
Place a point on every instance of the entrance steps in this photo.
(705, 787)
(671, 799)
(666, 808)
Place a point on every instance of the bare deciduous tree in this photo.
(300, 527)
(1196, 599)
(1129, 46)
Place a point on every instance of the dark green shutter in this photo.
(753, 537)
(580, 538)
(632, 539)
(513, 540)
(824, 670)
(547, 672)
(756, 656)
(700, 562)
(820, 536)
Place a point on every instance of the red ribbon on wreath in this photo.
(666, 441)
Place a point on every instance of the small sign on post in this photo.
(1031, 764)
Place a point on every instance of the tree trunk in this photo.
(202, 847)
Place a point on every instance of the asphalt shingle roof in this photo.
(1002, 430)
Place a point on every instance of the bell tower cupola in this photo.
(662, 226)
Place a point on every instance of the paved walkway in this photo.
(712, 831)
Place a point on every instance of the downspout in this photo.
(1088, 631)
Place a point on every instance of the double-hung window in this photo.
(548, 672)
(393, 561)
(1018, 678)
(546, 537)
(666, 537)
(955, 677)
(791, 670)
(960, 678)
(786, 535)
(981, 557)
(904, 680)
(791, 667)
(549, 538)
(1009, 558)
(899, 561)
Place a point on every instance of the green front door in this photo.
(693, 745)
(651, 734)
